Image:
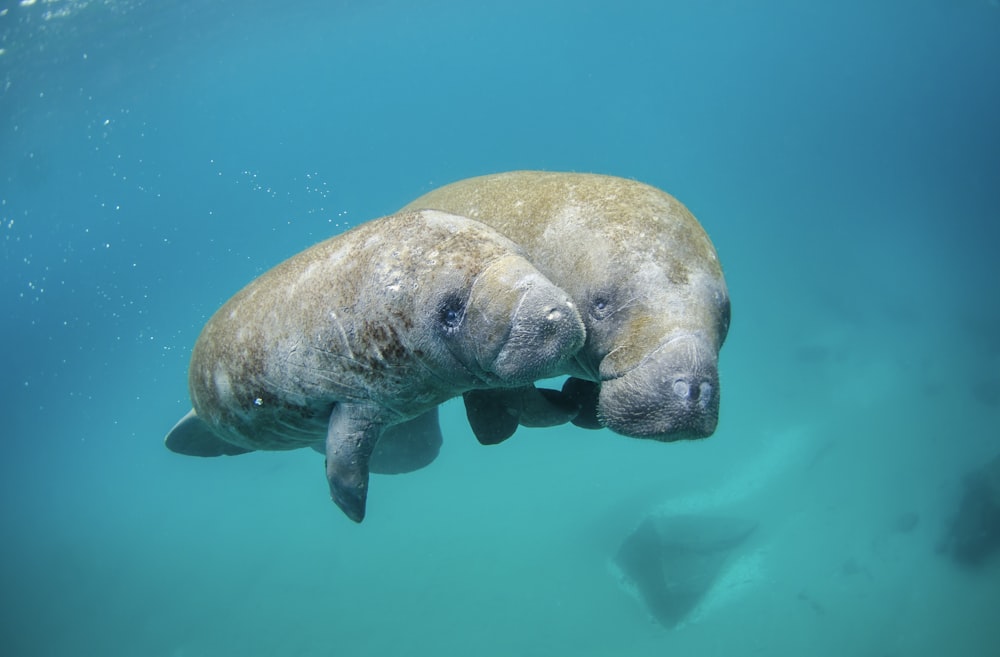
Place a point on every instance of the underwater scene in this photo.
(738, 394)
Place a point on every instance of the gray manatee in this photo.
(648, 284)
(372, 328)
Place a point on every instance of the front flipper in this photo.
(495, 414)
(193, 437)
(350, 439)
(491, 420)
(408, 446)
(545, 407)
(585, 395)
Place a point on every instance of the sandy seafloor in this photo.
(844, 157)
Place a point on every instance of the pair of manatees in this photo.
(479, 288)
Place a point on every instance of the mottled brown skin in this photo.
(366, 330)
(645, 277)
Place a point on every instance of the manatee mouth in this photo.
(673, 394)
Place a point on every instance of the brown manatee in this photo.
(367, 330)
(647, 282)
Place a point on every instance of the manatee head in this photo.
(655, 305)
(660, 378)
(490, 317)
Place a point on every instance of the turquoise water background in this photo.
(154, 157)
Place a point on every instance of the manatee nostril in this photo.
(554, 315)
(705, 393)
(682, 389)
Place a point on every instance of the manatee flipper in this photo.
(545, 407)
(404, 447)
(408, 446)
(192, 436)
(490, 419)
(585, 394)
(495, 414)
(350, 440)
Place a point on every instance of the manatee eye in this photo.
(600, 308)
(450, 314)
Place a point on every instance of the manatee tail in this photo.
(193, 437)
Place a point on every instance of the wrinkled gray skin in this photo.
(646, 279)
(367, 330)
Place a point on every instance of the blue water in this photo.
(843, 156)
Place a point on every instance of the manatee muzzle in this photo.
(671, 395)
(546, 329)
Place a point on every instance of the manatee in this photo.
(973, 534)
(671, 562)
(367, 330)
(648, 284)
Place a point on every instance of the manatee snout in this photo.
(546, 330)
(672, 395)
